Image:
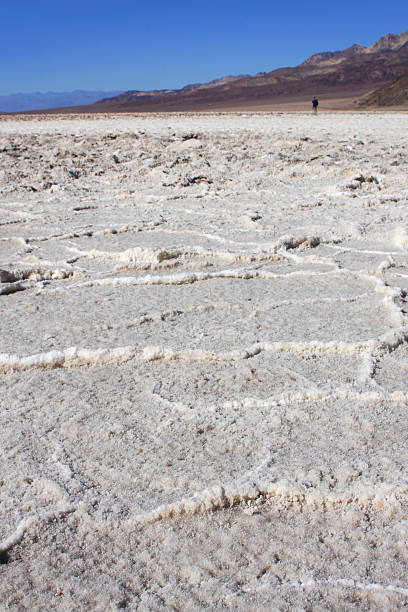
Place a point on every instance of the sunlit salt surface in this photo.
(203, 362)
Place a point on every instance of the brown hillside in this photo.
(343, 74)
(393, 94)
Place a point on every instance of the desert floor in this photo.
(204, 362)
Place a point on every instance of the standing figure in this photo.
(315, 104)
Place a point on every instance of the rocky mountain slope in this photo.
(393, 94)
(387, 43)
(350, 73)
(357, 69)
(129, 96)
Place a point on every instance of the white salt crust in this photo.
(235, 468)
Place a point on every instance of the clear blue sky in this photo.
(61, 46)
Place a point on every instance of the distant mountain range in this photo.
(348, 74)
(354, 71)
(35, 101)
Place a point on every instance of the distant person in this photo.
(315, 104)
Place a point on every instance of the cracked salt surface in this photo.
(203, 362)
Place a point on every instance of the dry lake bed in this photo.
(204, 362)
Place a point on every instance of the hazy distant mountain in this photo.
(128, 96)
(50, 99)
(393, 94)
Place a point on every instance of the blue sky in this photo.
(52, 46)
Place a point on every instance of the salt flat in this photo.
(204, 362)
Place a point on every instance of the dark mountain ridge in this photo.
(393, 94)
(355, 71)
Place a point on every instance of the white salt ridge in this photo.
(188, 278)
(25, 278)
(263, 253)
(213, 236)
(37, 273)
(390, 293)
(133, 255)
(80, 233)
(220, 497)
(78, 357)
(15, 538)
(371, 586)
(316, 395)
(390, 341)
(131, 259)
(71, 357)
(340, 248)
(311, 583)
